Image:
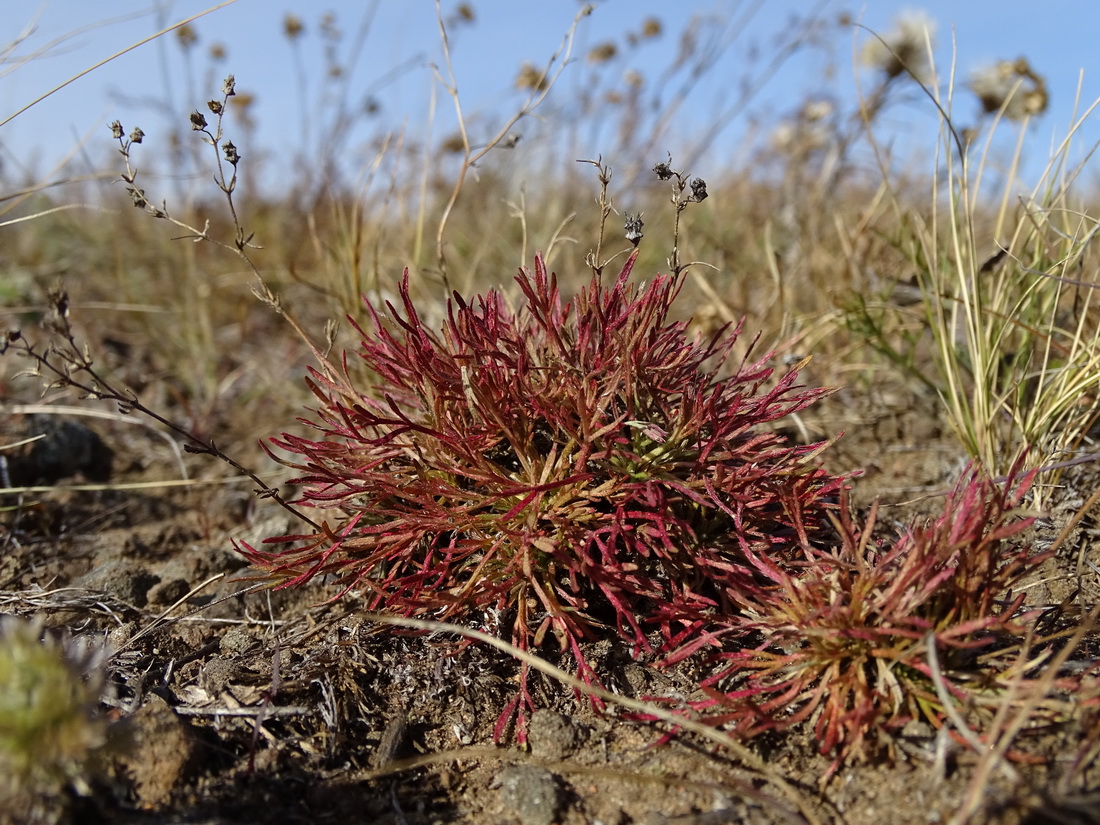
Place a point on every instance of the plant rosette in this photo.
(578, 467)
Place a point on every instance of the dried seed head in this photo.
(815, 110)
(698, 190)
(116, 130)
(198, 122)
(138, 197)
(215, 106)
(59, 302)
(231, 153)
(292, 26)
(453, 144)
(633, 225)
(602, 52)
(187, 36)
(663, 171)
(904, 49)
(137, 135)
(229, 86)
(531, 78)
(1012, 86)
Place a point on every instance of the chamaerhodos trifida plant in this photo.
(872, 633)
(577, 466)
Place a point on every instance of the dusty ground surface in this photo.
(261, 707)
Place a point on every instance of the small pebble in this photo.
(531, 794)
(553, 735)
(236, 641)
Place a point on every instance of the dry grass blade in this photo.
(470, 156)
(106, 60)
(1013, 717)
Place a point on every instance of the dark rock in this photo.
(168, 592)
(65, 448)
(236, 641)
(125, 581)
(217, 674)
(161, 755)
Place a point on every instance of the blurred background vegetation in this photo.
(959, 271)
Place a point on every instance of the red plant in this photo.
(846, 634)
(577, 466)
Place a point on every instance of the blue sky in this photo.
(394, 66)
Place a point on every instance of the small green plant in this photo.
(50, 729)
(855, 638)
(573, 468)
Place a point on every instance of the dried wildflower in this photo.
(602, 52)
(581, 467)
(330, 28)
(904, 49)
(116, 130)
(816, 110)
(292, 26)
(231, 153)
(229, 86)
(137, 136)
(698, 190)
(808, 131)
(198, 122)
(463, 16)
(1011, 86)
(531, 78)
(651, 27)
(663, 171)
(215, 106)
(453, 144)
(186, 36)
(783, 137)
(633, 226)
